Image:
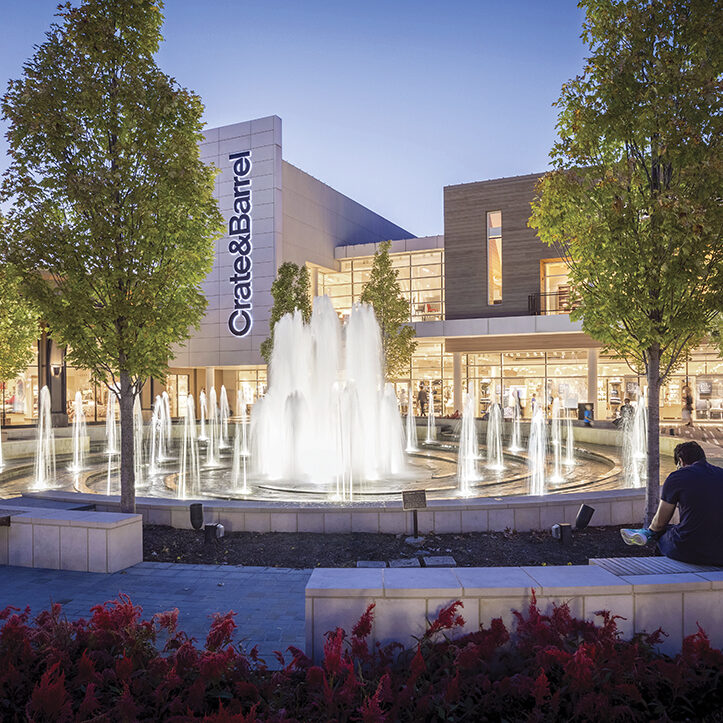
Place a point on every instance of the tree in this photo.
(392, 311)
(113, 219)
(291, 290)
(633, 202)
(18, 325)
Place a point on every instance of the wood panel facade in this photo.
(465, 242)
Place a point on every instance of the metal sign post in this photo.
(414, 500)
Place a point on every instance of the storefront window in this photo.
(19, 396)
(251, 381)
(431, 366)
(555, 287)
(420, 276)
(177, 386)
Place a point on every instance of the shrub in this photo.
(551, 667)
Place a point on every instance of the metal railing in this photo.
(556, 302)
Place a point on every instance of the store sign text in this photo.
(241, 319)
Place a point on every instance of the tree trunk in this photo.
(653, 489)
(127, 470)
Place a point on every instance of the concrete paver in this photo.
(268, 602)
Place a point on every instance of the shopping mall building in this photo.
(489, 301)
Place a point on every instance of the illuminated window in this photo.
(494, 257)
(420, 276)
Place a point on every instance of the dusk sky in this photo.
(387, 101)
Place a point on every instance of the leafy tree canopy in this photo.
(291, 290)
(633, 202)
(113, 219)
(18, 325)
(382, 291)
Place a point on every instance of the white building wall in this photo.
(214, 344)
(317, 219)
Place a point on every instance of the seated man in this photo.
(696, 487)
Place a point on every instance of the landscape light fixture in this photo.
(55, 368)
(213, 532)
(196, 511)
(583, 516)
(562, 532)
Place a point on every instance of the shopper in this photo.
(687, 411)
(696, 489)
(422, 398)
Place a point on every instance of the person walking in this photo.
(687, 411)
(422, 399)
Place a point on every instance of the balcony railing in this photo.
(556, 302)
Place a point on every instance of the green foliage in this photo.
(716, 333)
(291, 290)
(18, 325)
(633, 200)
(392, 311)
(114, 220)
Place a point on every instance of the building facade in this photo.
(489, 301)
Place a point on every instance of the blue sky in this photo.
(387, 101)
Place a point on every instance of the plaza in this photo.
(268, 454)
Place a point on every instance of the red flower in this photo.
(49, 698)
(446, 619)
(315, 676)
(126, 708)
(221, 631)
(90, 703)
(541, 689)
(363, 627)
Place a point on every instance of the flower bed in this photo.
(549, 667)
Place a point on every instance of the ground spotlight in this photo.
(213, 531)
(196, 511)
(583, 516)
(562, 532)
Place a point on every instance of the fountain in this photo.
(45, 443)
(322, 418)
(391, 444)
(79, 435)
(239, 478)
(468, 451)
(556, 441)
(189, 474)
(635, 445)
(203, 408)
(411, 427)
(212, 432)
(160, 434)
(224, 414)
(494, 437)
(138, 457)
(569, 460)
(516, 441)
(537, 452)
(111, 430)
(431, 422)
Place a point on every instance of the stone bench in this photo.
(70, 539)
(406, 598)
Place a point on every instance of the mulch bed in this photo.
(308, 550)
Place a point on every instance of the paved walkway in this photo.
(268, 602)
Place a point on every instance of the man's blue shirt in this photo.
(697, 489)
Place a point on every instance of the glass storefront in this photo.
(252, 381)
(528, 378)
(420, 276)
